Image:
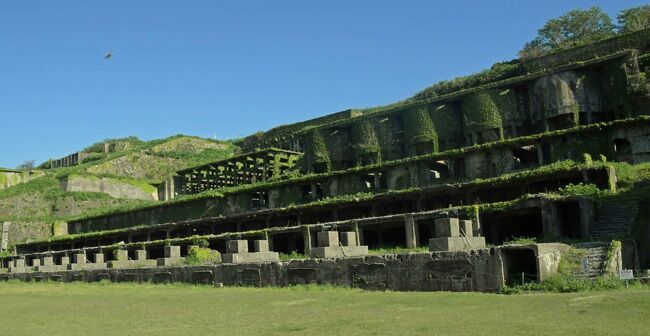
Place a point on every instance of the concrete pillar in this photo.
(141, 254)
(237, 246)
(306, 237)
(99, 258)
(65, 260)
(80, 258)
(358, 232)
(19, 262)
(348, 239)
(121, 255)
(328, 238)
(411, 229)
(47, 261)
(447, 227)
(269, 238)
(466, 228)
(261, 245)
(172, 251)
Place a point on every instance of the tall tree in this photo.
(573, 28)
(634, 18)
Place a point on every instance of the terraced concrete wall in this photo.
(478, 270)
(10, 178)
(112, 187)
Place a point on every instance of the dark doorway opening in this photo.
(519, 264)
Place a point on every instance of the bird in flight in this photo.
(109, 54)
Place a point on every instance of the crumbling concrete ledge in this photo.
(476, 270)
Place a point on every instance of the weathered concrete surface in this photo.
(548, 257)
(479, 270)
(456, 243)
(132, 263)
(112, 187)
(10, 177)
(338, 251)
(252, 257)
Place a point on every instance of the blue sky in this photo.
(231, 68)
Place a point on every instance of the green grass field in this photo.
(129, 309)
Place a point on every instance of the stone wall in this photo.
(478, 270)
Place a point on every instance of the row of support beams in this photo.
(245, 169)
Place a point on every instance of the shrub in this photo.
(201, 255)
(589, 190)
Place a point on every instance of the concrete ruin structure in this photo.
(462, 173)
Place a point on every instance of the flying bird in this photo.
(109, 54)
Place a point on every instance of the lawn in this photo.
(130, 309)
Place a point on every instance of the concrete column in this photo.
(122, 255)
(306, 234)
(358, 232)
(411, 229)
(99, 258)
(141, 254)
(270, 239)
(47, 261)
(172, 251)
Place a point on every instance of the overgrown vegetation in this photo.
(197, 255)
(292, 255)
(397, 250)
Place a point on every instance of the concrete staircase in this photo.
(614, 219)
(595, 256)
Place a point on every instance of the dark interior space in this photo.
(317, 217)
(156, 252)
(569, 219)
(355, 212)
(253, 225)
(395, 207)
(283, 221)
(225, 227)
(517, 261)
(525, 157)
(288, 242)
(502, 227)
(385, 235)
(158, 235)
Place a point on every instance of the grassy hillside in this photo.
(152, 160)
(36, 204)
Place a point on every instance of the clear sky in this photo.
(231, 68)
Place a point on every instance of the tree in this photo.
(573, 28)
(27, 165)
(635, 18)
